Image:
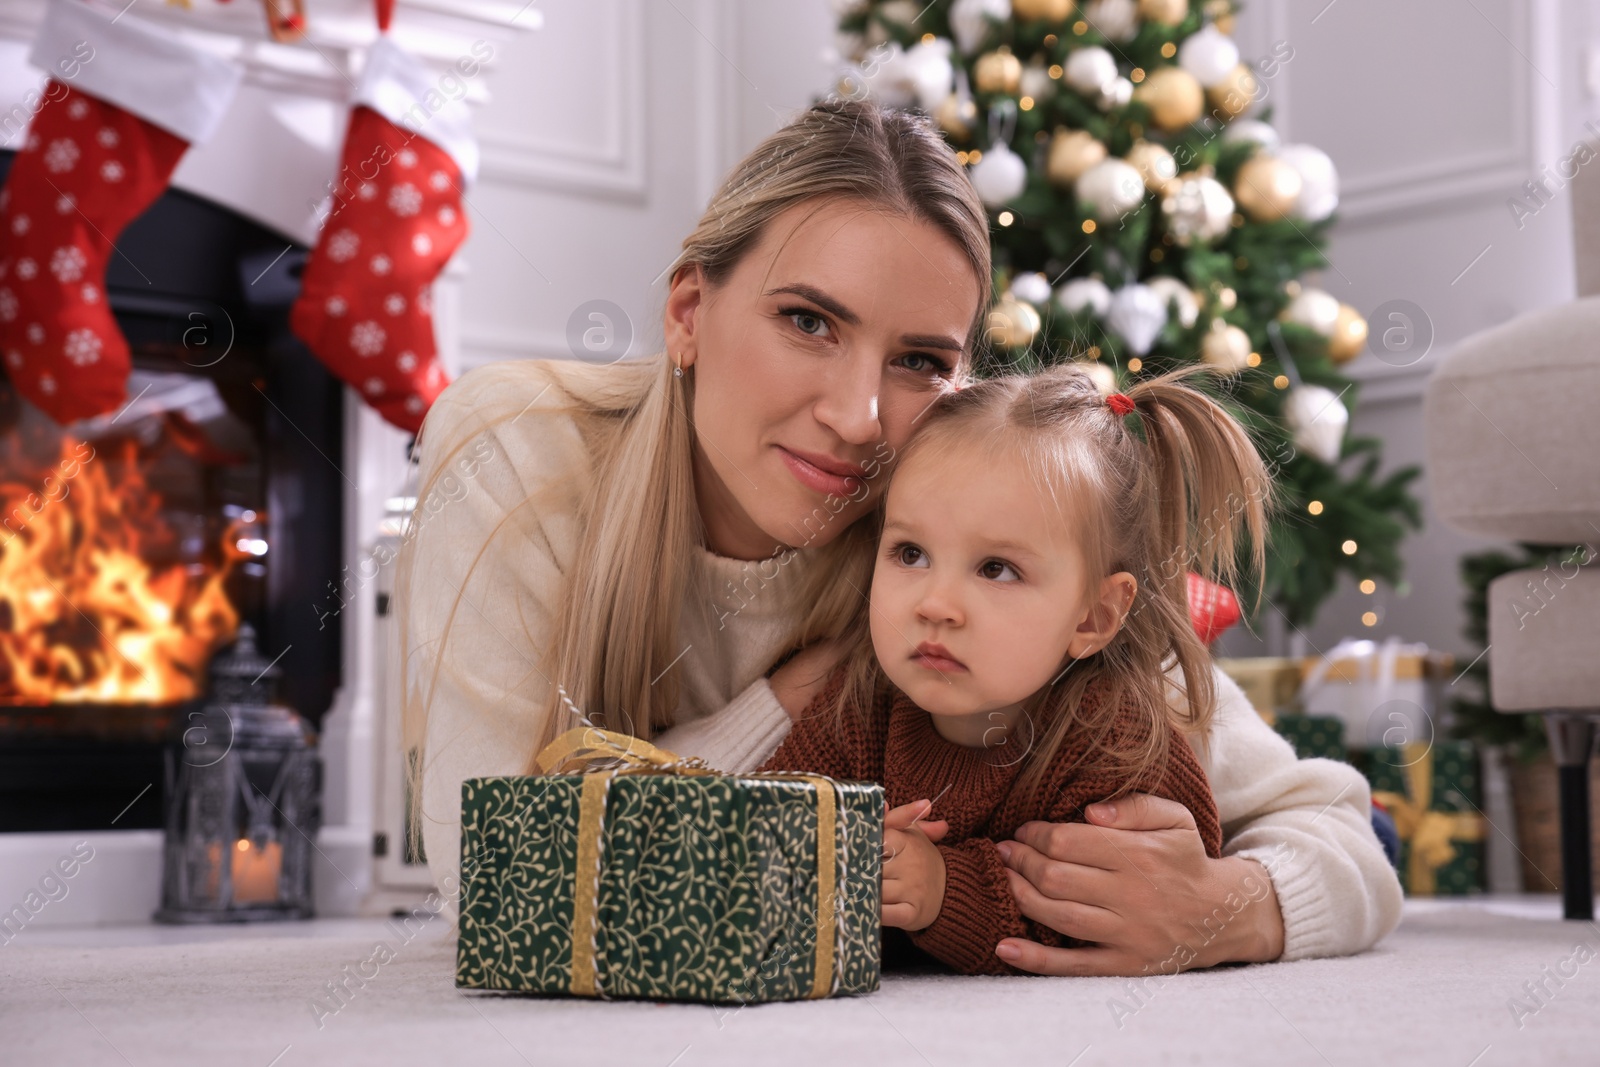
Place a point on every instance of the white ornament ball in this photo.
(1314, 309)
(1251, 130)
(1227, 347)
(927, 66)
(1089, 70)
(1080, 293)
(1210, 55)
(999, 176)
(1117, 19)
(1116, 93)
(1198, 209)
(1137, 314)
(1169, 289)
(968, 22)
(1032, 287)
(1319, 190)
(1317, 421)
(1111, 188)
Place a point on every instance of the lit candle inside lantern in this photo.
(255, 871)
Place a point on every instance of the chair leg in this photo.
(1572, 742)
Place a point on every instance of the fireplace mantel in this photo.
(278, 148)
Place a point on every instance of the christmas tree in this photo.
(1142, 219)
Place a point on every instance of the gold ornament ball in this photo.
(1173, 96)
(1165, 12)
(1349, 335)
(1012, 323)
(1235, 93)
(956, 116)
(1155, 163)
(1227, 299)
(1053, 10)
(1072, 152)
(1226, 347)
(1267, 188)
(998, 72)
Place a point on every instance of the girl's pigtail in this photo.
(1213, 490)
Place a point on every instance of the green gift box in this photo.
(667, 880)
(1435, 793)
(1314, 735)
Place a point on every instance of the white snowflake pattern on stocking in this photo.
(67, 264)
(405, 200)
(343, 246)
(82, 347)
(366, 338)
(61, 156)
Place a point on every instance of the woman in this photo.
(640, 545)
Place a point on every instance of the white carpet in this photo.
(1435, 992)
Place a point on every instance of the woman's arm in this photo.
(1302, 872)
(743, 734)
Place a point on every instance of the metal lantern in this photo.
(243, 801)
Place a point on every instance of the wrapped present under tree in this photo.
(1314, 736)
(655, 876)
(1435, 794)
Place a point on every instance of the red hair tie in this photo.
(1119, 403)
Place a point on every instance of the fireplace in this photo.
(133, 545)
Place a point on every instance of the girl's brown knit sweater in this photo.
(895, 744)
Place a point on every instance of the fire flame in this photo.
(83, 617)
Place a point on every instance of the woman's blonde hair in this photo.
(1180, 491)
(614, 632)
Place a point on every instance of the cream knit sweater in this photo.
(476, 596)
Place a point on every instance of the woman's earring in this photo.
(677, 367)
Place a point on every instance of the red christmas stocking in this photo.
(97, 153)
(365, 305)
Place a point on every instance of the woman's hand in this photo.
(1136, 880)
(801, 678)
(913, 868)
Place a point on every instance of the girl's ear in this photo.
(681, 316)
(1105, 616)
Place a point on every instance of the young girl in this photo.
(1028, 595)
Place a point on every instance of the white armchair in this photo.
(1512, 418)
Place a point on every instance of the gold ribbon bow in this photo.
(601, 755)
(1429, 832)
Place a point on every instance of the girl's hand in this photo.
(1136, 880)
(913, 869)
(801, 678)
